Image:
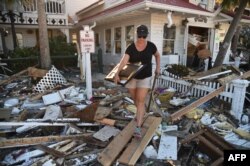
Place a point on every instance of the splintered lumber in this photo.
(5, 114)
(210, 71)
(112, 99)
(137, 146)
(110, 153)
(36, 73)
(246, 75)
(36, 153)
(107, 121)
(39, 140)
(225, 80)
(214, 75)
(51, 151)
(14, 76)
(102, 112)
(204, 73)
(217, 162)
(87, 114)
(177, 115)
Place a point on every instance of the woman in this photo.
(142, 52)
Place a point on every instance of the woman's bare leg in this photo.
(140, 96)
(132, 94)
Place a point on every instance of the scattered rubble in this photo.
(46, 119)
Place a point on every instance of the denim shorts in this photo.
(139, 83)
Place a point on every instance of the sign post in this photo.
(87, 42)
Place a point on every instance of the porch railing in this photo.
(55, 10)
(234, 92)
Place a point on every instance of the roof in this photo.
(180, 5)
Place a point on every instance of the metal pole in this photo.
(151, 94)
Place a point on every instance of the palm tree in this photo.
(43, 36)
(45, 59)
(232, 28)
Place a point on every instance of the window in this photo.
(168, 40)
(118, 32)
(129, 34)
(108, 40)
(74, 38)
(53, 7)
(19, 38)
(29, 6)
(97, 42)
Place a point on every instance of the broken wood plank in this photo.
(179, 134)
(39, 140)
(79, 155)
(107, 121)
(36, 73)
(5, 114)
(13, 77)
(245, 75)
(227, 79)
(137, 146)
(218, 162)
(67, 147)
(214, 75)
(210, 71)
(204, 73)
(109, 154)
(177, 115)
(76, 149)
(112, 99)
(87, 114)
(133, 145)
(51, 151)
(190, 137)
(102, 112)
(36, 153)
(209, 145)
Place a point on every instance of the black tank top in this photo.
(144, 56)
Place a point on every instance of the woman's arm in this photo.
(158, 64)
(122, 63)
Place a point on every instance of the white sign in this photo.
(87, 41)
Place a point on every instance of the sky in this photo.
(74, 4)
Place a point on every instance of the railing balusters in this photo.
(169, 80)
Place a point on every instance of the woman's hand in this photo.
(116, 78)
(157, 72)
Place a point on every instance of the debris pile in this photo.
(46, 119)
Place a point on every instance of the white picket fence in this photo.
(234, 92)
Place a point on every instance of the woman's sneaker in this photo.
(137, 132)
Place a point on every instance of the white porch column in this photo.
(238, 97)
(66, 33)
